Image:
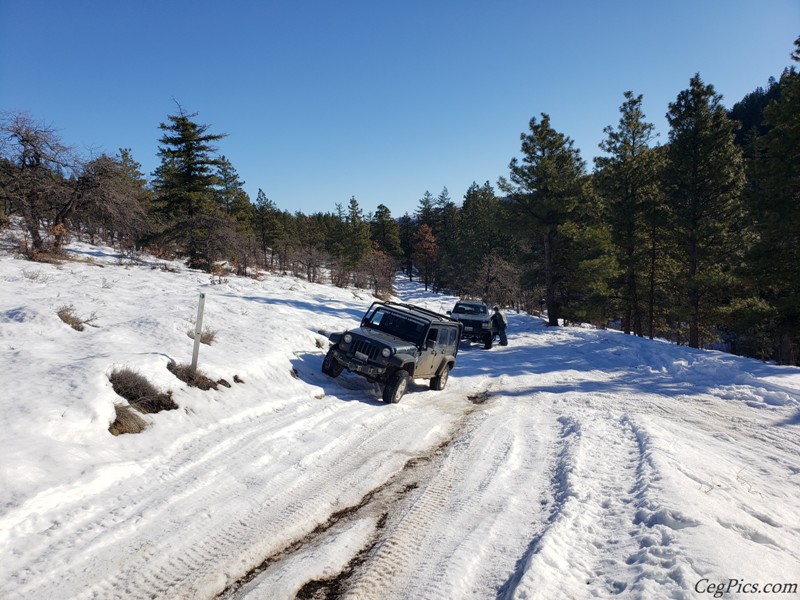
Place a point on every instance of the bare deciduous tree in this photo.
(36, 167)
(47, 184)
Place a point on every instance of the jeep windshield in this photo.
(469, 309)
(397, 324)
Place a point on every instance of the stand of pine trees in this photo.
(696, 240)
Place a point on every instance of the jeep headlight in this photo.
(386, 352)
(487, 325)
(348, 338)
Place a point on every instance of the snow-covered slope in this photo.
(571, 464)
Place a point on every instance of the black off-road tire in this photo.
(396, 386)
(438, 382)
(331, 366)
(487, 341)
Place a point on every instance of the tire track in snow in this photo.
(601, 487)
(187, 467)
(158, 560)
(447, 514)
(553, 496)
(457, 520)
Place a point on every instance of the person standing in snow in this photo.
(500, 323)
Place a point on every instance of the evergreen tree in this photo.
(230, 188)
(484, 240)
(627, 180)
(269, 228)
(445, 228)
(749, 114)
(185, 196)
(775, 209)
(545, 189)
(358, 245)
(385, 231)
(425, 211)
(407, 230)
(309, 255)
(704, 179)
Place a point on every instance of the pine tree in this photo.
(775, 208)
(385, 231)
(483, 239)
(184, 184)
(545, 189)
(407, 230)
(704, 179)
(425, 212)
(627, 180)
(357, 231)
(445, 228)
(268, 228)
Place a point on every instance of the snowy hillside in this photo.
(571, 464)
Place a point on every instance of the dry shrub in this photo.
(140, 393)
(36, 276)
(68, 316)
(207, 336)
(127, 421)
(195, 379)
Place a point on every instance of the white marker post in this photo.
(198, 328)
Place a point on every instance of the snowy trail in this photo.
(214, 473)
(572, 463)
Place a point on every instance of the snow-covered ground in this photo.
(572, 463)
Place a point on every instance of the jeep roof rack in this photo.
(429, 312)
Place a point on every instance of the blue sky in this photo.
(325, 100)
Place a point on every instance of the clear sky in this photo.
(325, 100)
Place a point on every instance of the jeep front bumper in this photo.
(358, 365)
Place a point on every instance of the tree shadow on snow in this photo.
(795, 420)
(341, 312)
(599, 362)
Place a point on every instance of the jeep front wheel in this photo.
(331, 366)
(396, 386)
(438, 382)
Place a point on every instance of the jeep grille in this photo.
(366, 348)
(472, 323)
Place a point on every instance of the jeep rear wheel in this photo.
(396, 386)
(438, 382)
(331, 366)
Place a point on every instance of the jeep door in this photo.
(431, 355)
(440, 343)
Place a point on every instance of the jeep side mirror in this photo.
(430, 344)
(449, 313)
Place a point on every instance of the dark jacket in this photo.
(499, 320)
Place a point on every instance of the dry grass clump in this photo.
(140, 393)
(207, 336)
(194, 378)
(67, 314)
(36, 276)
(127, 421)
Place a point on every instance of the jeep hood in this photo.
(382, 338)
